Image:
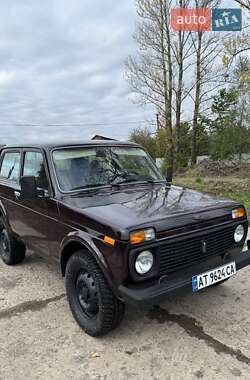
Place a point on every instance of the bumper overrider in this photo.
(176, 284)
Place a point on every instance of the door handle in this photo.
(17, 194)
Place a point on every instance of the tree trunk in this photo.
(180, 62)
(168, 82)
(179, 92)
(197, 99)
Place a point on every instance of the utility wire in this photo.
(76, 125)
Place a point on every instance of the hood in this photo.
(153, 205)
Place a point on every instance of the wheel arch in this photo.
(68, 250)
(75, 244)
(3, 214)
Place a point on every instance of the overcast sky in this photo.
(62, 66)
(62, 62)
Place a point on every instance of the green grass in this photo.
(236, 188)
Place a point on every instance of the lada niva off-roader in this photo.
(120, 231)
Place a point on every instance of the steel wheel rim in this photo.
(87, 294)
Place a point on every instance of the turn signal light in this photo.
(141, 236)
(239, 213)
(109, 240)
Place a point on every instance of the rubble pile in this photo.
(222, 167)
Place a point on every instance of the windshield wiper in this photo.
(134, 181)
(117, 184)
(94, 186)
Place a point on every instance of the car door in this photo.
(31, 215)
(10, 185)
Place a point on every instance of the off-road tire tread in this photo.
(111, 307)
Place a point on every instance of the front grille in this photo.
(179, 254)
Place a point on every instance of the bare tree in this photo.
(244, 4)
(182, 52)
(209, 73)
(236, 46)
(171, 67)
(150, 74)
(156, 74)
(197, 100)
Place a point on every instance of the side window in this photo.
(34, 166)
(11, 166)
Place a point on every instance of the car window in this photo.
(34, 166)
(10, 167)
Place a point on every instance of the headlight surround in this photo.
(144, 262)
(141, 236)
(239, 233)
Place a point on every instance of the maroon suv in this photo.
(120, 231)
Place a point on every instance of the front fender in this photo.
(86, 240)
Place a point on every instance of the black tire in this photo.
(11, 251)
(92, 302)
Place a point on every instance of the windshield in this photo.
(81, 168)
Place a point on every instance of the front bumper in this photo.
(173, 286)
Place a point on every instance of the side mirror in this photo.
(28, 187)
(169, 177)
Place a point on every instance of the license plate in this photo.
(214, 276)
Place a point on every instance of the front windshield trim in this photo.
(106, 186)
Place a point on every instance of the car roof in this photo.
(51, 146)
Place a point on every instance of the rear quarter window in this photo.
(10, 167)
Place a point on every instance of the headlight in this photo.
(141, 236)
(239, 234)
(144, 262)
